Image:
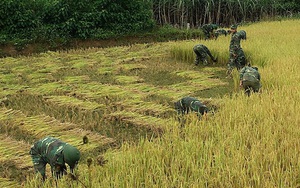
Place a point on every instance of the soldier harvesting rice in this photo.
(202, 52)
(208, 30)
(53, 151)
(250, 79)
(190, 104)
(220, 32)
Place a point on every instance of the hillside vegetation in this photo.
(122, 99)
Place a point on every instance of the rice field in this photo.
(122, 98)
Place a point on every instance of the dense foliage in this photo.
(48, 20)
(36, 19)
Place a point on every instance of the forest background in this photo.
(54, 24)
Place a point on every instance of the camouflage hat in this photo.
(71, 155)
(255, 68)
(234, 26)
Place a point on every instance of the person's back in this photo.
(219, 32)
(56, 153)
(201, 49)
(214, 26)
(202, 52)
(206, 27)
(250, 79)
(242, 34)
(187, 104)
(208, 30)
(47, 152)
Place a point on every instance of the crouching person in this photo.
(56, 153)
(250, 79)
(190, 104)
(220, 32)
(202, 53)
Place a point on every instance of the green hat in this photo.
(71, 155)
(234, 26)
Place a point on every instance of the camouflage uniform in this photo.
(208, 30)
(202, 52)
(236, 54)
(250, 79)
(187, 104)
(51, 150)
(219, 32)
(242, 34)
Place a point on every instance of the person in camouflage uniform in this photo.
(236, 54)
(187, 104)
(242, 34)
(220, 32)
(208, 30)
(53, 151)
(202, 52)
(250, 79)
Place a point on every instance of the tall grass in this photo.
(184, 51)
(250, 142)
